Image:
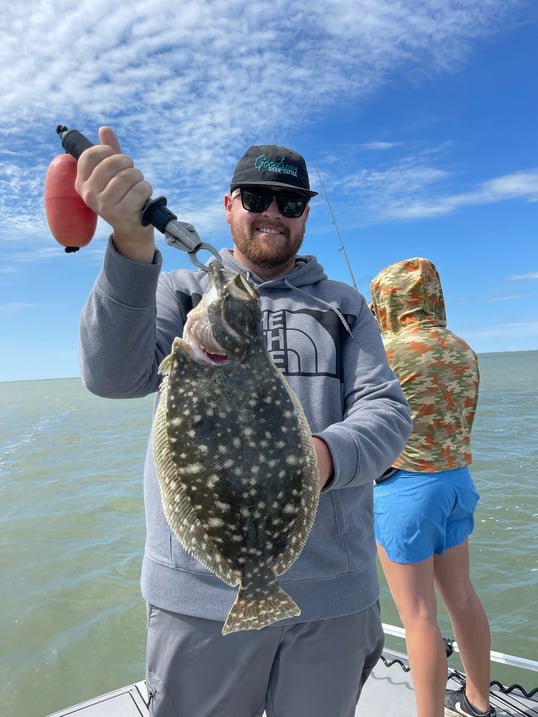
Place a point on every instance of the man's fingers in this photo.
(107, 136)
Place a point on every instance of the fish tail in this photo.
(253, 613)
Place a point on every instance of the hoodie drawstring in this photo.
(324, 303)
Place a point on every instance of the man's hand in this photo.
(112, 186)
(325, 461)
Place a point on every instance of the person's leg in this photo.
(191, 669)
(321, 666)
(469, 621)
(412, 589)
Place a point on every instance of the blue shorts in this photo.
(418, 515)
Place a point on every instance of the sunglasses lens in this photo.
(289, 205)
(255, 201)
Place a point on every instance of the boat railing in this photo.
(500, 657)
(452, 646)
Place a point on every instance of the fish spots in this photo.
(215, 522)
(212, 480)
(289, 509)
(234, 455)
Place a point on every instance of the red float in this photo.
(71, 222)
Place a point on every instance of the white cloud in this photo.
(14, 308)
(529, 275)
(508, 332)
(187, 85)
(413, 188)
(520, 185)
(378, 146)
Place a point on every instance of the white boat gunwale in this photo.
(381, 691)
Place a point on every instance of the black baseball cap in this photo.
(270, 164)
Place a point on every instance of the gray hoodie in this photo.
(323, 337)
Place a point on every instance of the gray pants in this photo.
(312, 669)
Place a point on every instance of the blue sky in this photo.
(421, 117)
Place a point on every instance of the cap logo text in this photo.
(279, 167)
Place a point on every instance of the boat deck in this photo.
(387, 693)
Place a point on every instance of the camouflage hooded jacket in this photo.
(438, 371)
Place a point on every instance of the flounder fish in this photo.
(234, 452)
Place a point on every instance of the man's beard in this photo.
(249, 244)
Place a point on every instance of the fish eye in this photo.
(239, 286)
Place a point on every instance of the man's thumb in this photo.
(107, 136)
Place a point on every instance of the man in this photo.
(323, 337)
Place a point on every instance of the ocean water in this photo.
(72, 623)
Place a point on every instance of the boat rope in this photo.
(497, 689)
(506, 690)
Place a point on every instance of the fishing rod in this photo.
(342, 247)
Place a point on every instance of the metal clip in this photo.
(180, 235)
(183, 235)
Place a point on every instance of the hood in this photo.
(406, 294)
(307, 271)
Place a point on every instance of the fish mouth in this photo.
(203, 344)
(203, 356)
(213, 357)
(198, 332)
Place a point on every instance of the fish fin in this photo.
(167, 364)
(248, 613)
(164, 368)
(177, 507)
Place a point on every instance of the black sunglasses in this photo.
(257, 200)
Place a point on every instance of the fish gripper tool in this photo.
(180, 235)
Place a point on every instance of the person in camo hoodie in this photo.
(424, 506)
